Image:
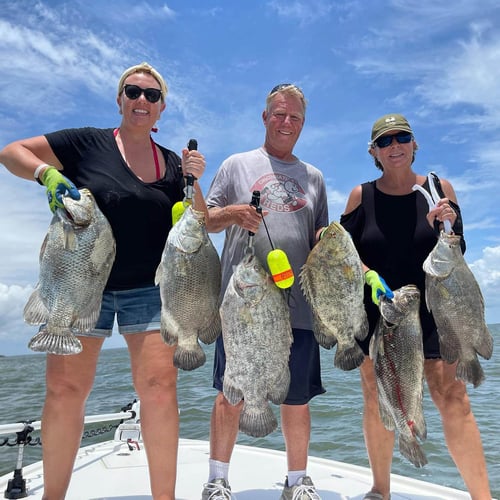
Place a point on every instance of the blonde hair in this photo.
(287, 89)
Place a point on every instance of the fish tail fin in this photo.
(349, 358)
(64, 342)
(258, 421)
(410, 449)
(35, 312)
(470, 371)
(189, 359)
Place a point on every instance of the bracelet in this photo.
(38, 169)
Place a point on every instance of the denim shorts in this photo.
(137, 310)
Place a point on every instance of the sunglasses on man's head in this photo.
(386, 140)
(134, 91)
(282, 86)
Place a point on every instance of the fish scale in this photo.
(75, 261)
(189, 276)
(398, 357)
(333, 283)
(257, 337)
(456, 302)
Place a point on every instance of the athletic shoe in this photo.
(303, 490)
(218, 489)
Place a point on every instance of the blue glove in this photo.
(378, 285)
(57, 185)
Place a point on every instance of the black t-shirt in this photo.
(140, 213)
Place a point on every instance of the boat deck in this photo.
(110, 470)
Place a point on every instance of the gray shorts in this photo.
(137, 310)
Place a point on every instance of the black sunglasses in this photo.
(282, 86)
(134, 91)
(386, 140)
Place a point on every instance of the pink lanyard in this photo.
(155, 154)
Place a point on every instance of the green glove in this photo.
(57, 185)
(378, 285)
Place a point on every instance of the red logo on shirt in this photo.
(280, 193)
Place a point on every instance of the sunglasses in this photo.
(386, 140)
(134, 92)
(282, 86)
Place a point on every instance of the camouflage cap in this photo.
(390, 122)
(144, 68)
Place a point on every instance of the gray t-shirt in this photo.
(293, 193)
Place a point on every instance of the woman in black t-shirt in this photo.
(135, 182)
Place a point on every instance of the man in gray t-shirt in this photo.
(293, 200)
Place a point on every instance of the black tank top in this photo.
(393, 237)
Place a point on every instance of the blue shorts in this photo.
(137, 310)
(304, 364)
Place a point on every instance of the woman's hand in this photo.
(193, 162)
(442, 212)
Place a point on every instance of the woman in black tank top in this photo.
(394, 231)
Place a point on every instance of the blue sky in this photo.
(436, 62)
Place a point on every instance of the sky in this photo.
(437, 62)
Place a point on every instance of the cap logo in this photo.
(390, 120)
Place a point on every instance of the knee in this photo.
(157, 389)
(63, 388)
(452, 400)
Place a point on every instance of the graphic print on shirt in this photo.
(280, 193)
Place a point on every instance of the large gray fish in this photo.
(75, 261)
(257, 338)
(333, 283)
(456, 302)
(189, 276)
(398, 357)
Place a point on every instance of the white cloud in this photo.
(14, 333)
(487, 272)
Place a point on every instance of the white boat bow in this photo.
(117, 469)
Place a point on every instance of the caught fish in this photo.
(257, 337)
(333, 283)
(189, 276)
(398, 358)
(456, 302)
(75, 261)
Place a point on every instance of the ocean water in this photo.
(336, 415)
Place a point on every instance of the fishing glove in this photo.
(378, 285)
(57, 185)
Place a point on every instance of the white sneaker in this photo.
(303, 490)
(217, 489)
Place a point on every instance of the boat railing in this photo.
(16, 427)
(128, 430)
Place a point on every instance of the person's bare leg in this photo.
(296, 428)
(379, 441)
(155, 380)
(69, 380)
(459, 426)
(224, 427)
